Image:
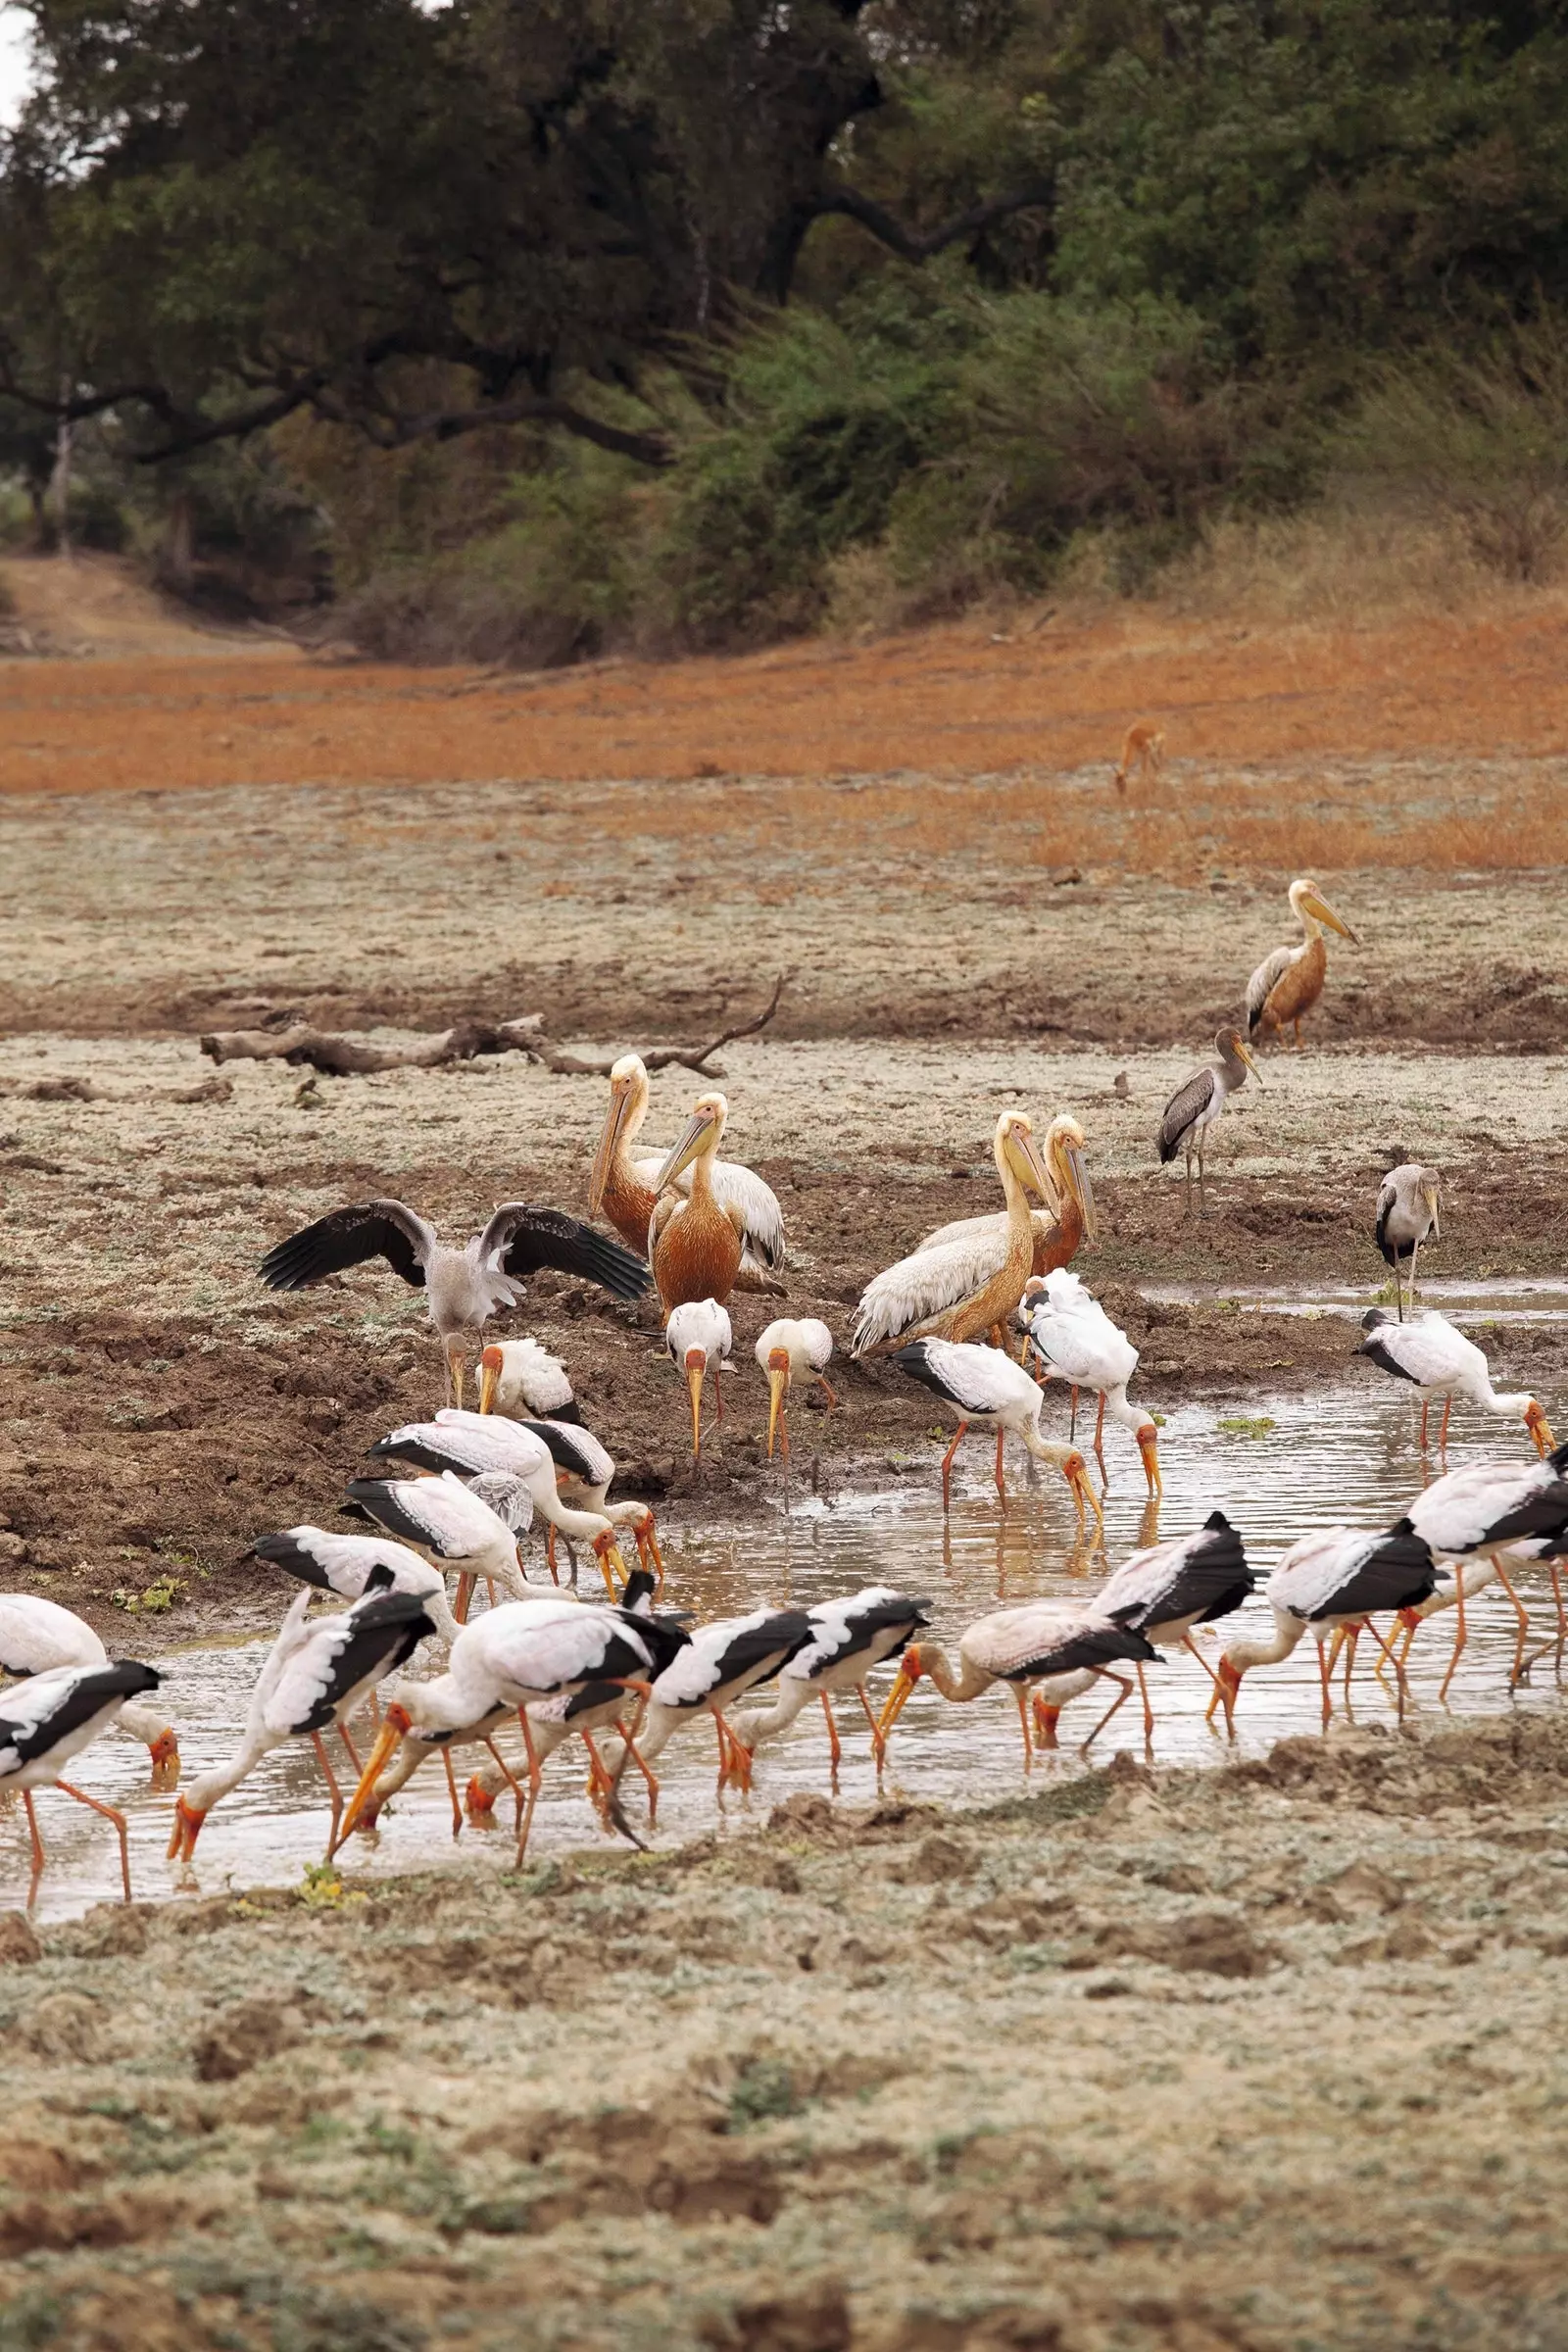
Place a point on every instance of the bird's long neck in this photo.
(142, 1722)
(1507, 1408)
(449, 1701)
(1288, 1631)
(1020, 1225)
(1311, 926)
(969, 1680)
(703, 1178)
(586, 1523)
(1117, 1409)
(202, 1794)
(772, 1721)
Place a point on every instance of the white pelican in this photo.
(1077, 1341)
(968, 1287)
(1199, 1101)
(849, 1639)
(1338, 1578)
(343, 1564)
(1483, 1514)
(520, 1653)
(462, 1287)
(1033, 1644)
(38, 1635)
(1290, 982)
(795, 1347)
(472, 1444)
(695, 1240)
(1439, 1361)
(698, 1338)
(981, 1383)
(626, 1190)
(1407, 1211)
(715, 1667)
(1165, 1589)
(471, 1529)
(1067, 1218)
(526, 1381)
(52, 1717)
(314, 1676)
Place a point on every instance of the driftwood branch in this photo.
(305, 1046)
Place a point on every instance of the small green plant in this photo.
(1245, 1425)
(763, 2089)
(1158, 1419)
(161, 1596)
(321, 1889)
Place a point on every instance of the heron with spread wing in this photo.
(462, 1287)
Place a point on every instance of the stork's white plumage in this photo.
(314, 1676)
(849, 1639)
(52, 1717)
(1439, 1361)
(457, 1523)
(584, 1472)
(794, 1348)
(345, 1564)
(1335, 1578)
(1166, 1589)
(1490, 1512)
(698, 1338)
(1036, 1643)
(38, 1635)
(1077, 1342)
(983, 1385)
(714, 1668)
(522, 1379)
(474, 1444)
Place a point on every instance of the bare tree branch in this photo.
(915, 245)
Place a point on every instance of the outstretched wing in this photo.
(347, 1236)
(1261, 985)
(526, 1238)
(1189, 1100)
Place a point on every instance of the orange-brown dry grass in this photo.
(926, 714)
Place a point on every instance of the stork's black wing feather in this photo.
(563, 1451)
(1372, 1346)
(285, 1552)
(784, 1632)
(378, 1500)
(347, 1236)
(121, 1678)
(1096, 1645)
(532, 1238)
(1398, 1574)
(386, 1631)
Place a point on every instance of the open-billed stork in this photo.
(849, 1639)
(462, 1287)
(1478, 1518)
(717, 1666)
(970, 1286)
(698, 1340)
(515, 1656)
(1331, 1582)
(1035, 1643)
(1165, 1589)
(38, 1635)
(472, 1529)
(1064, 1221)
(524, 1380)
(1076, 1340)
(983, 1387)
(1288, 983)
(470, 1445)
(1407, 1212)
(1199, 1102)
(52, 1717)
(313, 1678)
(795, 1347)
(584, 1472)
(627, 1190)
(1439, 1361)
(344, 1564)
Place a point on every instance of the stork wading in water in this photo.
(345, 1564)
(718, 1665)
(1439, 1361)
(313, 1678)
(1199, 1102)
(584, 1473)
(984, 1387)
(472, 1445)
(795, 1347)
(526, 1381)
(1077, 1342)
(698, 1340)
(50, 1718)
(626, 1190)
(471, 1528)
(1289, 983)
(1407, 1212)
(1480, 1517)
(1333, 1580)
(1062, 1225)
(38, 1634)
(849, 1639)
(462, 1287)
(1040, 1642)
(1165, 1589)
(970, 1286)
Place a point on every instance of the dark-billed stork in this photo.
(471, 1529)
(1481, 1516)
(314, 1677)
(464, 1288)
(714, 1668)
(1077, 1342)
(1032, 1643)
(698, 1340)
(523, 1380)
(471, 1445)
(983, 1386)
(1439, 1361)
(849, 1639)
(52, 1717)
(38, 1635)
(794, 1348)
(345, 1564)
(1333, 1580)
(1199, 1102)
(1167, 1589)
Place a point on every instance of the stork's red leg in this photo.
(1123, 1694)
(946, 1466)
(319, 1746)
(110, 1813)
(834, 1748)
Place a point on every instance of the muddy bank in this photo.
(1254, 2058)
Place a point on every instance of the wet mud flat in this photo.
(1264, 2057)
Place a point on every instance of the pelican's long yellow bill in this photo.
(898, 1699)
(1030, 1166)
(778, 1380)
(609, 1143)
(699, 1127)
(387, 1741)
(1317, 905)
(1083, 1191)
